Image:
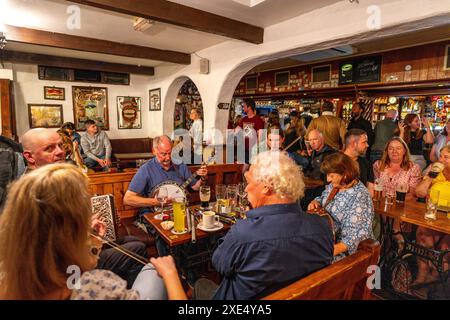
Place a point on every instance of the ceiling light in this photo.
(142, 24)
(249, 3)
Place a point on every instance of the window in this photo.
(321, 73)
(282, 79)
(80, 75)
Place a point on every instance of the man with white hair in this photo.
(278, 243)
(384, 130)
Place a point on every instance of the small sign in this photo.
(224, 106)
(362, 70)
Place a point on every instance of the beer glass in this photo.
(401, 190)
(205, 196)
(378, 190)
(179, 215)
(432, 204)
(232, 195)
(221, 197)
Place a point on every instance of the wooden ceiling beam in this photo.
(183, 16)
(60, 40)
(65, 62)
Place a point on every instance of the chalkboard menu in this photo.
(361, 70)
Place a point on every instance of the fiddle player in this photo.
(43, 146)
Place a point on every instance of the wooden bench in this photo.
(117, 184)
(343, 280)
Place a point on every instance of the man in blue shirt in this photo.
(159, 169)
(278, 243)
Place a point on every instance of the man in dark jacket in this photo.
(358, 122)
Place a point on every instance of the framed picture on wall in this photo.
(90, 103)
(45, 115)
(54, 93)
(129, 112)
(155, 99)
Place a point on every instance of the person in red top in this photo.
(251, 125)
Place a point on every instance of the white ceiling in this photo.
(51, 15)
(264, 14)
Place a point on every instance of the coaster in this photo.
(179, 232)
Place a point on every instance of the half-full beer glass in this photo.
(179, 215)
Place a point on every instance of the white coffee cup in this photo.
(209, 219)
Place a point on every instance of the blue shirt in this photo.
(352, 212)
(152, 173)
(274, 246)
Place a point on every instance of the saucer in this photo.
(179, 232)
(218, 226)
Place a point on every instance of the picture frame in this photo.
(155, 99)
(129, 113)
(45, 115)
(54, 93)
(90, 103)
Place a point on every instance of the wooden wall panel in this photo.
(427, 62)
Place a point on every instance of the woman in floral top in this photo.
(351, 208)
(45, 243)
(395, 167)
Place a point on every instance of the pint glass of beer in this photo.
(179, 215)
(401, 190)
(378, 190)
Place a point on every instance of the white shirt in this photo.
(196, 131)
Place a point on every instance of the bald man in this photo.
(384, 130)
(42, 146)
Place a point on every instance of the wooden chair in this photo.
(343, 280)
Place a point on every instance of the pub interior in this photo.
(225, 149)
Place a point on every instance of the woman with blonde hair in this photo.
(45, 232)
(437, 182)
(396, 167)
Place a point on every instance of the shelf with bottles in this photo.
(381, 105)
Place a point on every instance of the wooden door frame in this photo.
(8, 119)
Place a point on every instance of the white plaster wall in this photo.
(29, 89)
(340, 23)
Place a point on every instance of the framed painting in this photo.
(54, 93)
(129, 113)
(90, 103)
(45, 115)
(155, 99)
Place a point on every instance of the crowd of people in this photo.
(281, 239)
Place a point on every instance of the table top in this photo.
(134, 156)
(413, 212)
(175, 240)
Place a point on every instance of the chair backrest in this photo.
(346, 279)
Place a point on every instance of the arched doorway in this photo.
(187, 99)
